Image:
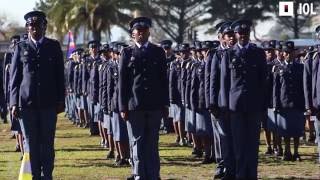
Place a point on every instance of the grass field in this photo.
(78, 156)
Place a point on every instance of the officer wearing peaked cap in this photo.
(288, 101)
(175, 96)
(166, 45)
(243, 79)
(225, 166)
(36, 64)
(269, 49)
(144, 97)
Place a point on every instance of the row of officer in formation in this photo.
(218, 93)
(212, 82)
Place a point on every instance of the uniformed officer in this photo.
(4, 69)
(288, 101)
(209, 48)
(5, 93)
(166, 124)
(175, 95)
(203, 126)
(107, 97)
(243, 77)
(190, 114)
(144, 97)
(77, 86)
(90, 84)
(105, 55)
(226, 166)
(36, 71)
(269, 47)
(119, 127)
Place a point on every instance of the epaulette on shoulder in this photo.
(188, 64)
(7, 67)
(273, 69)
(315, 55)
(100, 66)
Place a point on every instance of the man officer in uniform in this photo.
(144, 98)
(243, 79)
(37, 92)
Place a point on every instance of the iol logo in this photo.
(286, 8)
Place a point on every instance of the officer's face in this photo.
(199, 55)
(243, 37)
(279, 54)
(288, 55)
(141, 35)
(269, 54)
(36, 29)
(229, 39)
(185, 54)
(93, 50)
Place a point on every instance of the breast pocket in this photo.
(235, 69)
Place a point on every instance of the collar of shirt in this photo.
(145, 44)
(245, 46)
(35, 42)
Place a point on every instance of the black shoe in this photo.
(269, 151)
(178, 139)
(13, 136)
(117, 158)
(311, 139)
(18, 148)
(122, 162)
(296, 157)
(197, 153)
(110, 155)
(219, 172)
(130, 177)
(287, 156)
(85, 126)
(207, 160)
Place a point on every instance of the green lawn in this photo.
(78, 156)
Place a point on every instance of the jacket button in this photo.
(38, 84)
(38, 65)
(146, 88)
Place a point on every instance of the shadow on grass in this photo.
(271, 160)
(90, 164)
(292, 178)
(79, 149)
